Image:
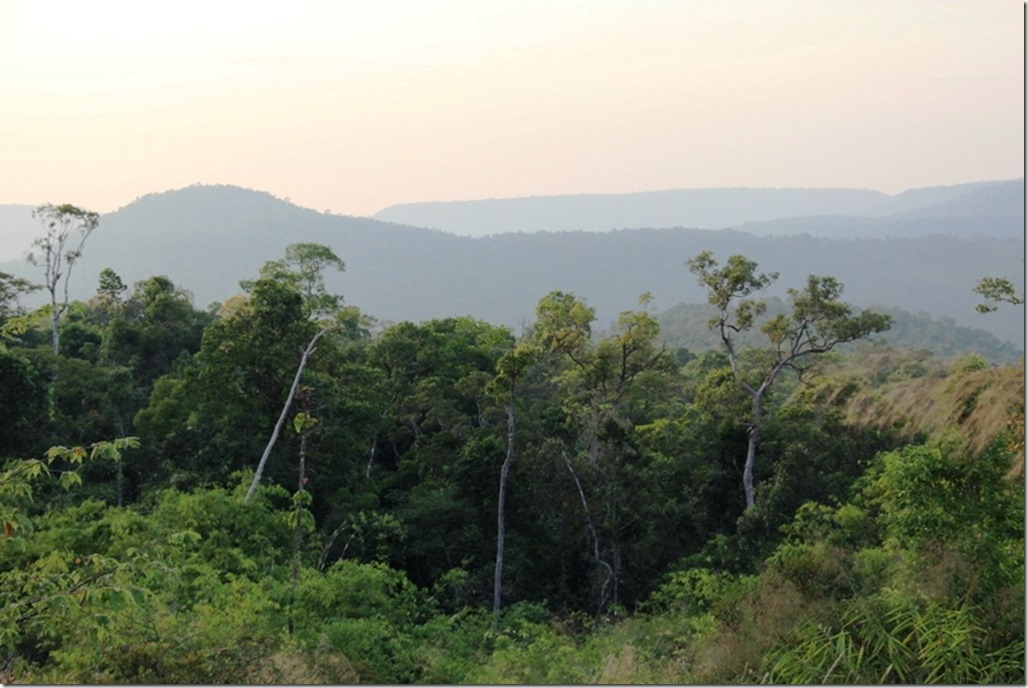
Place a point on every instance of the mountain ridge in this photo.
(207, 238)
(713, 208)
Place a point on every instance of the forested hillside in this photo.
(282, 489)
(684, 326)
(208, 238)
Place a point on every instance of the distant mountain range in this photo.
(207, 238)
(836, 213)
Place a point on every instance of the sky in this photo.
(352, 106)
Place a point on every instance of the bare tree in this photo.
(67, 229)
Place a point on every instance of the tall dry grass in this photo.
(918, 398)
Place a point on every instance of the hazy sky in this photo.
(352, 105)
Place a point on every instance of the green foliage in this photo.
(150, 330)
(736, 280)
(893, 639)
(928, 565)
(563, 323)
(969, 362)
(11, 288)
(685, 326)
(23, 397)
(996, 290)
(630, 556)
(17, 482)
(49, 592)
(691, 592)
(933, 500)
(366, 612)
(817, 322)
(303, 269)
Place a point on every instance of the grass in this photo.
(918, 398)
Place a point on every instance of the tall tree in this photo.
(436, 442)
(304, 423)
(108, 299)
(66, 230)
(151, 329)
(214, 412)
(303, 267)
(510, 369)
(302, 270)
(819, 321)
(610, 388)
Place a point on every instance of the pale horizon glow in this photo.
(353, 107)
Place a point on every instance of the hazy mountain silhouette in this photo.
(17, 230)
(207, 238)
(988, 209)
(823, 212)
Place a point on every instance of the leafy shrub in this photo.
(896, 639)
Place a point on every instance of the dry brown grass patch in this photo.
(293, 666)
(766, 616)
(969, 406)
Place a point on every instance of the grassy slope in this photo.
(920, 398)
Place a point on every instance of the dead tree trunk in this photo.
(307, 353)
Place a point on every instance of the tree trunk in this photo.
(120, 469)
(747, 471)
(282, 416)
(371, 457)
(298, 526)
(501, 516)
(55, 329)
(601, 602)
(751, 453)
(55, 374)
(615, 526)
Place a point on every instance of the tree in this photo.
(436, 444)
(996, 290)
(304, 423)
(819, 321)
(111, 286)
(11, 288)
(33, 596)
(151, 329)
(610, 387)
(108, 299)
(214, 410)
(304, 268)
(509, 371)
(23, 395)
(59, 250)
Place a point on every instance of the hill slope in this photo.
(207, 238)
(685, 325)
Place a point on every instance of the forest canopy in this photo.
(281, 489)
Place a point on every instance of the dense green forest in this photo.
(280, 489)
